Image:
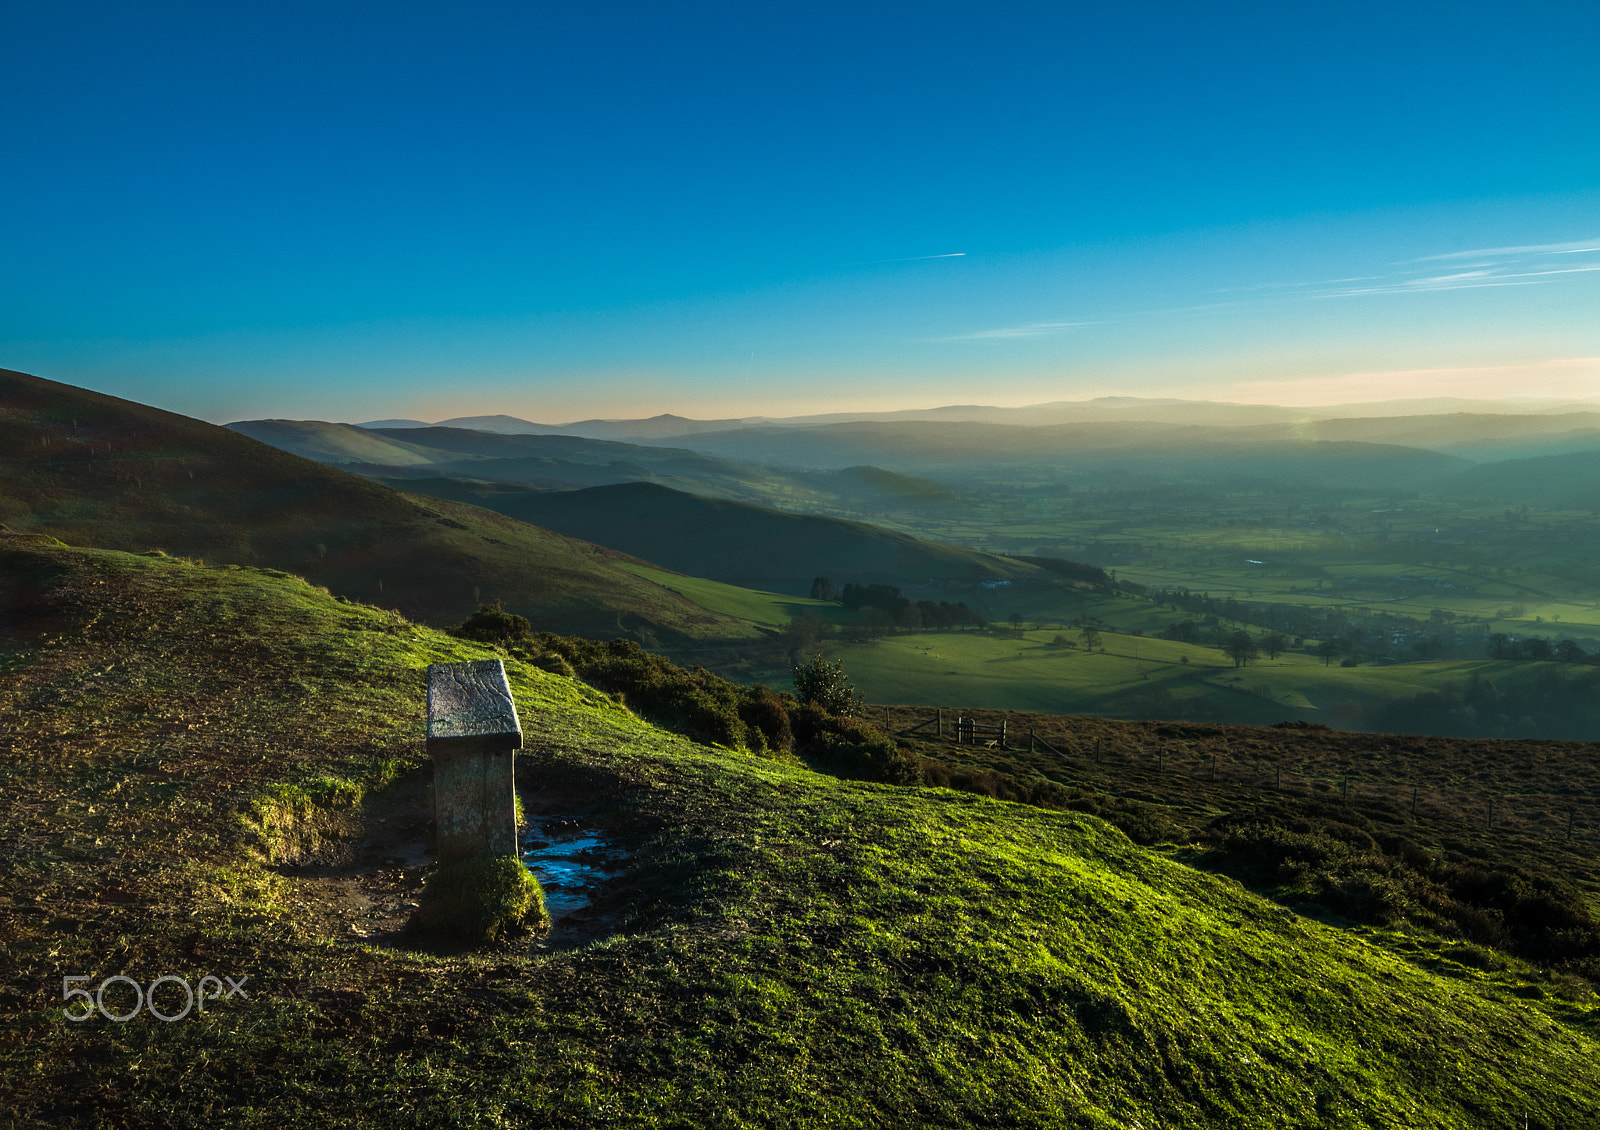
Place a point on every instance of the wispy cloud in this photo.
(1032, 329)
(1573, 248)
(1529, 265)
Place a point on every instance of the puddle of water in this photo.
(569, 867)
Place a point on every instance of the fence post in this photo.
(939, 732)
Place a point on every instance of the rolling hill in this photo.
(767, 946)
(736, 542)
(1569, 481)
(556, 462)
(95, 470)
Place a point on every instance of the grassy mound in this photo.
(480, 899)
(783, 948)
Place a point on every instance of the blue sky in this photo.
(347, 211)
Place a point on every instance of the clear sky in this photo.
(356, 210)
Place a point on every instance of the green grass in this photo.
(769, 609)
(784, 948)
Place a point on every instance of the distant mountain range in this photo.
(564, 462)
(1109, 409)
(798, 467)
(656, 427)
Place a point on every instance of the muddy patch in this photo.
(367, 874)
(364, 880)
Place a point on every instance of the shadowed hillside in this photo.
(1555, 482)
(95, 470)
(735, 541)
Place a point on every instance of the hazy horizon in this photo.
(1417, 406)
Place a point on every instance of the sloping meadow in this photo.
(782, 948)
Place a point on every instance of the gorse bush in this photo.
(689, 700)
(824, 685)
(851, 748)
(493, 624)
(1323, 862)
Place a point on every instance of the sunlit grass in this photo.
(785, 948)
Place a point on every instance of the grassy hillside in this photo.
(336, 443)
(776, 948)
(96, 470)
(874, 484)
(769, 609)
(736, 542)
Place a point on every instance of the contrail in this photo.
(914, 258)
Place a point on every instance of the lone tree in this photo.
(1090, 635)
(1274, 644)
(1241, 649)
(823, 684)
(1329, 649)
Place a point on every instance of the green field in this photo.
(1524, 571)
(768, 609)
(1141, 677)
